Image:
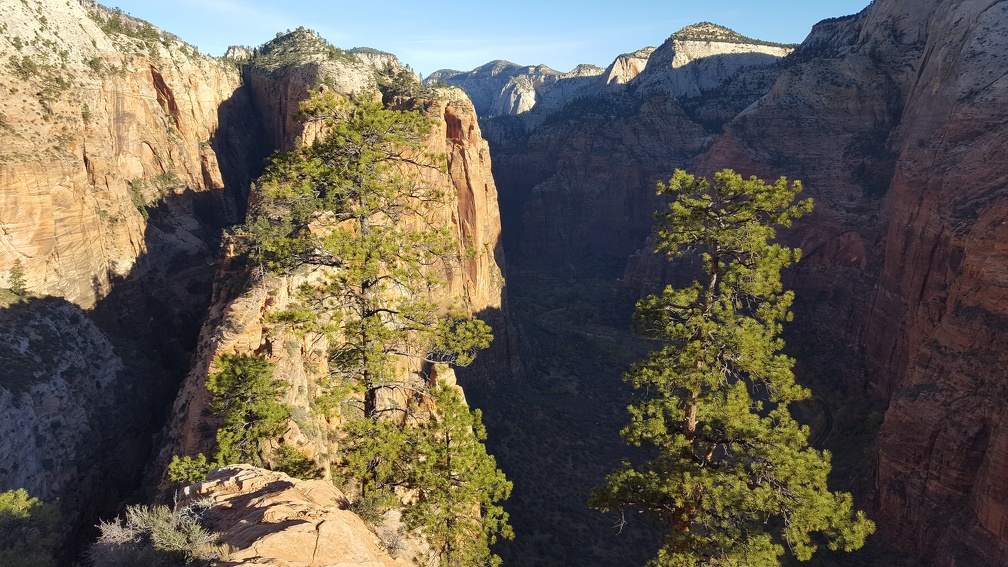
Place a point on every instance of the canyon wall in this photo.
(578, 180)
(123, 152)
(894, 119)
(104, 118)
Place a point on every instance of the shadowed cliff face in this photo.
(895, 121)
(123, 153)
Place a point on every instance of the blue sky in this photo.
(463, 35)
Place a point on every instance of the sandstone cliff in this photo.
(239, 325)
(123, 151)
(103, 117)
(279, 73)
(893, 118)
(579, 178)
(701, 58)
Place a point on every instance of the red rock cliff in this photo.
(896, 120)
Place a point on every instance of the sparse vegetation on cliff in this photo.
(28, 530)
(16, 278)
(156, 535)
(707, 31)
(296, 47)
(359, 208)
(245, 399)
(731, 476)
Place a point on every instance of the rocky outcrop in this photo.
(123, 152)
(701, 58)
(239, 325)
(270, 519)
(58, 381)
(280, 73)
(627, 66)
(499, 87)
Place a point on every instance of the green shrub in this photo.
(189, 470)
(27, 530)
(371, 506)
(289, 460)
(156, 535)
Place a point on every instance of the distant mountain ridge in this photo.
(693, 60)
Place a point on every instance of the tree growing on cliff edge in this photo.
(246, 400)
(16, 278)
(730, 473)
(361, 204)
(459, 485)
(357, 200)
(29, 530)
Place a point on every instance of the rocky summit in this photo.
(128, 162)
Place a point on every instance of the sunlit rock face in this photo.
(270, 519)
(239, 324)
(103, 117)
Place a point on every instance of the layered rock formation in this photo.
(627, 66)
(580, 177)
(123, 151)
(279, 73)
(701, 58)
(695, 60)
(501, 87)
(103, 118)
(239, 325)
(270, 519)
(894, 119)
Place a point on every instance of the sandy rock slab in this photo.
(269, 518)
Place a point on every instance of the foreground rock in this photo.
(271, 519)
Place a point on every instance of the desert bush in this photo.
(156, 536)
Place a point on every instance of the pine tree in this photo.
(731, 475)
(360, 203)
(365, 183)
(16, 278)
(458, 485)
(246, 398)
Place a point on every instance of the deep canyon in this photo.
(125, 154)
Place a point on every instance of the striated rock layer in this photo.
(103, 118)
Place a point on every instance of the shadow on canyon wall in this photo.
(92, 442)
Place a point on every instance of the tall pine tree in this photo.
(361, 202)
(730, 475)
(458, 485)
